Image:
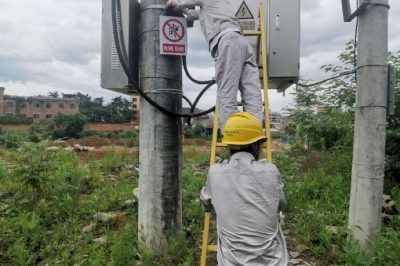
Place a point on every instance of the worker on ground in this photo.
(235, 64)
(247, 196)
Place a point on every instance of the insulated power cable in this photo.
(355, 46)
(354, 71)
(190, 76)
(118, 39)
(196, 101)
(325, 80)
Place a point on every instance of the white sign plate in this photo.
(173, 35)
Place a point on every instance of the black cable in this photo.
(118, 38)
(187, 100)
(325, 80)
(190, 76)
(355, 48)
(121, 33)
(196, 101)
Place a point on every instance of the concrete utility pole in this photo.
(370, 125)
(160, 178)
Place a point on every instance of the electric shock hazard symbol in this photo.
(172, 35)
(244, 12)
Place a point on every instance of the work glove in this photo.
(171, 3)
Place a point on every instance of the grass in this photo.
(318, 190)
(47, 197)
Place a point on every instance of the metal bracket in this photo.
(348, 16)
(391, 89)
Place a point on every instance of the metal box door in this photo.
(113, 76)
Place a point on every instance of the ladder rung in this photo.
(212, 248)
(220, 144)
(251, 33)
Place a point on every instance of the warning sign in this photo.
(173, 35)
(245, 17)
(244, 12)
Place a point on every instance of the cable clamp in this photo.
(370, 65)
(165, 91)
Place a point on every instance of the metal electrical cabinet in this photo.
(113, 76)
(283, 36)
(284, 40)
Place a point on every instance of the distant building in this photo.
(205, 120)
(277, 122)
(39, 108)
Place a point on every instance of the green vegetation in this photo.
(317, 187)
(15, 120)
(70, 126)
(48, 196)
(119, 110)
(197, 131)
(317, 171)
(51, 199)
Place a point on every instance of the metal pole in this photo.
(160, 156)
(370, 126)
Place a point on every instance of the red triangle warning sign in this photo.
(244, 12)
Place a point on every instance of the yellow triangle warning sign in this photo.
(244, 12)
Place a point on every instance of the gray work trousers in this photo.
(236, 69)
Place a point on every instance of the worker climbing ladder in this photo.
(261, 35)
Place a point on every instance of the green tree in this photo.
(199, 131)
(53, 94)
(338, 95)
(68, 125)
(120, 110)
(188, 131)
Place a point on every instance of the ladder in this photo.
(261, 35)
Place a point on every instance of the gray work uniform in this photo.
(236, 67)
(247, 195)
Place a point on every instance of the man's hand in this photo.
(171, 3)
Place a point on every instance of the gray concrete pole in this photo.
(370, 126)
(160, 155)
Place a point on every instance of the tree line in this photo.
(96, 110)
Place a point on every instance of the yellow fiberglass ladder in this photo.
(261, 35)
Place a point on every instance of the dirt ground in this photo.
(103, 145)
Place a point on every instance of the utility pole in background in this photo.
(160, 155)
(370, 124)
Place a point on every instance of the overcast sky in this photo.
(49, 45)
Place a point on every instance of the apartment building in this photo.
(39, 108)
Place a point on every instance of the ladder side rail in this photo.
(265, 84)
(207, 215)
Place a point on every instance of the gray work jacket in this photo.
(246, 195)
(215, 16)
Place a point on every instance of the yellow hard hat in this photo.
(242, 128)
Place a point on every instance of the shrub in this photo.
(15, 120)
(392, 166)
(37, 134)
(68, 125)
(188, 131)
(125, 134)
(197, 131)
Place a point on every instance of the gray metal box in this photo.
(113, 76)
(283, 39)
(282, 24)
